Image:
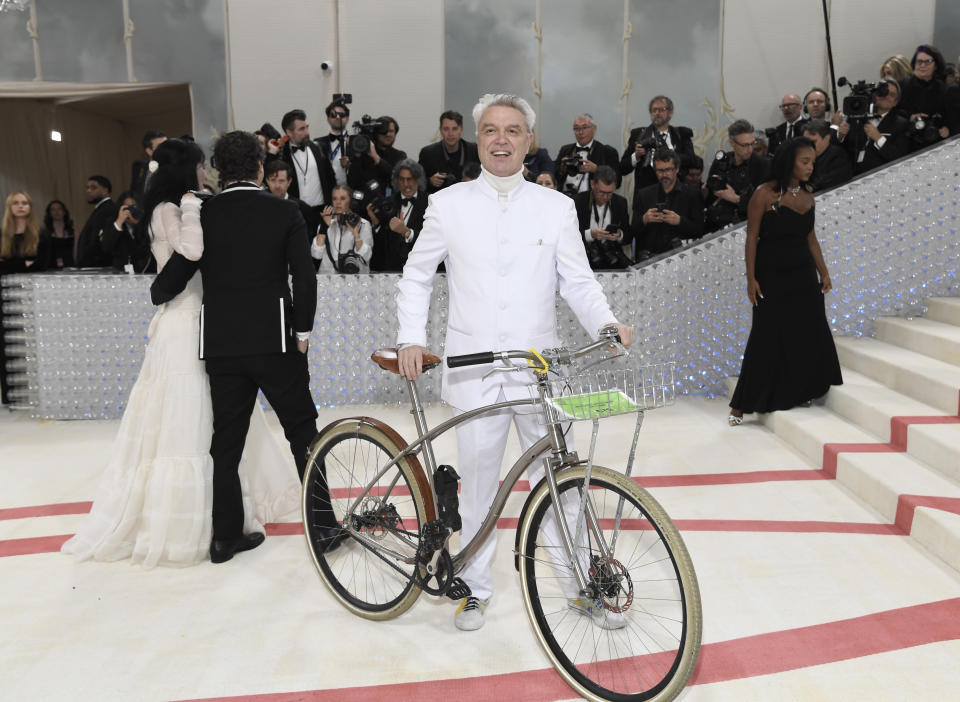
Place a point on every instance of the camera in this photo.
(718, 180)
(858, 105)
(348, 219)
(364, 131)
(136, 212)
(571, 163)
(383, 207)
(350, 262)
(926, 130)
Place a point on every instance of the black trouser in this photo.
(234, 381)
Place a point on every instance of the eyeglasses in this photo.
(583, 128)
(665, 171)
(789, 104)
(925, 62)
(338, 115)
(745, 146)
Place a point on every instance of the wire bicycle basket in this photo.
(607, 393)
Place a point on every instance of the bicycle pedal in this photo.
(458, 589)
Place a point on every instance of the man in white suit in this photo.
(507, 245)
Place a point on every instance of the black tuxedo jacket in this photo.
(327, 177)
(389, 248)
(599, 153)
(780, 135)
(251, 239)
(643, 175)
(433, 158)
(90, 251)
(832, 168)
(683, 200)
(894, 126)
(583, 202)
(363, 169)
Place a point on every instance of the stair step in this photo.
(806, 429)
(870, 404)
(923, 378)
(931, 338)
(944, 309)
(937, 445)
(939, 532)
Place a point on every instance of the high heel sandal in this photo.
(734, 421)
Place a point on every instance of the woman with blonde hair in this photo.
(20, 235)
(896, 67)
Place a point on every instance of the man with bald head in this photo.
(791, 107)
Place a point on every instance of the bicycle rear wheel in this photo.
(646, 586)
(372, 571)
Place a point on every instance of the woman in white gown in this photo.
(154, 502)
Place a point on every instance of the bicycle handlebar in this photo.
(470, 359)
(608, 336)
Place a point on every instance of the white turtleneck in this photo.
(503, 185)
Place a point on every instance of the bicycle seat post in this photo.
(421, 422)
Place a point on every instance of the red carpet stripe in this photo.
(35, 544)
(45, 510)
(900, 425)
(751, 656)
(907, 506)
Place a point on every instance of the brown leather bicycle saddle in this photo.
(388, 360)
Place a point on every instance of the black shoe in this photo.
(222, 551)
(329, 538)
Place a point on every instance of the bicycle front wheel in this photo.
(638, 636)
(372, 571)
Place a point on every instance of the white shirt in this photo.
(308, 176)
(341, 241)
(335, 153)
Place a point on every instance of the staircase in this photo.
(891, 433)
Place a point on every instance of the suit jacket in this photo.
(951, 106)
(780, 135)
(327, 177)
(832, 168)
(600, 154)
(504, 262)
(644, 175)
(251, 240)
(657, 237)
(433, 158)
(390, 250)
(90, 252)
(894, 126)
(583, 202)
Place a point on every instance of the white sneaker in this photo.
(603, 618)
(469, 616)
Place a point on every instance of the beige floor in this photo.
(793, 610)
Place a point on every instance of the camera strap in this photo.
(326, 243)
(596, 213)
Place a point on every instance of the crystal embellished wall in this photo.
(890, 240)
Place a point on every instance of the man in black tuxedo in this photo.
(577, 162)
(88, 250)
(792, 110)
(645, 141)
(313, 175)
(394, 237)
(253, 333)
(444, 160)
(336, 144)
(832, 167)
(603, 219)
(669, 210)
(140, 170)
(882, 137)
(379, 161)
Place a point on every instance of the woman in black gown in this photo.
(790, 357)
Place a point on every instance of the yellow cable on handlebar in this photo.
(544, 366)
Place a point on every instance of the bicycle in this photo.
(639, 637)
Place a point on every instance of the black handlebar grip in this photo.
(470, 359)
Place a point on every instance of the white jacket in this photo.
(505, 262)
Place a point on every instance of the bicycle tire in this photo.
(653, 656)
(365, 578)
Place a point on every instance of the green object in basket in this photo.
(595, 405)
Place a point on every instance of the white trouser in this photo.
(481, 443)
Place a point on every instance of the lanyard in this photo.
(306, 162)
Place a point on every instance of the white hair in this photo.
(505, 100)
(587, 116)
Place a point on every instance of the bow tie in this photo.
(294, 148)
(407, 201)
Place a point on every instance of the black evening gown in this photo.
(790, 356)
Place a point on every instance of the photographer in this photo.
(877, 135)
(922, 98)
(733, 177)
(398, 221)
(577, 161)
(668, 211)
(645, 141)
(444, 160)
(378, 161)
(832, 166)
(336, 144)
(348, 244)
(127, 242)
(602, 215)
(314, 178)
